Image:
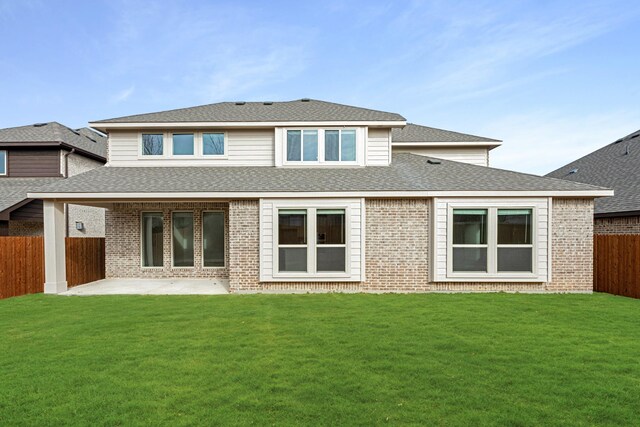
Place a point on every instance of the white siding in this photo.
(355, 231)
(246, 147)
(542, 244)
(474, 155)
(378, 144)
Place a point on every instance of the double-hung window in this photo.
(3, 162)
(320, 146)
(491, 242)
(312, 241)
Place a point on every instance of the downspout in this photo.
(66, 175)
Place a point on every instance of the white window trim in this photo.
(224, 238)
(311, 245)
(6, 163)
(198, 146)
(281, 146)
(492, 245)
(192, 267)
(145, 267)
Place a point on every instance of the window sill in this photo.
(531, 278)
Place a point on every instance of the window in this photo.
(324, 253)
(213, 144)
(3, 162)
(470, 240)
(213, 239)
(152, 242)
(152, 144)
(182, 239)
(183, 144)
(330, 240)
(292, 240)
(492, 241)
(321, 145)
(515, 248)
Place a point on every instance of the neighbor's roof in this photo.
(301, 110)
(408, 173)
(54, 132)
(14, 190)
(616, 166)
(418, 133)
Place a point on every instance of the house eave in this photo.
(115, 196)
(181, 125)
(489, 145)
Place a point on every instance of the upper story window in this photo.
(3, 162)
(152, 144)
(328, 146)
(180, 145)
(183, 144)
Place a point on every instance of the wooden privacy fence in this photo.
(22, 263)
(617, 264)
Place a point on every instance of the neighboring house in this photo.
(40, 154)
(308, 195)
(443, 144)
(616, 166)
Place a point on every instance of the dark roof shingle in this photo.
(55, 132)
(14, 190)
(418, 133)
(616, 166)
(297, 111)
(408, 172)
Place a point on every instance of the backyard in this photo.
(491, 359)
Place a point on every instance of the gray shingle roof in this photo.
(14, 190)
(616, 166)
(408, 172)
(418, 133)
(296, 111)
(55, 132)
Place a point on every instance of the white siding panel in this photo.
(247, 147)
(268, 214)
(473, 155)
(378, 147)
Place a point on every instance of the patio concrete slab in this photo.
(152, 287)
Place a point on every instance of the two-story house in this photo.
(310, 195)
(40, 154)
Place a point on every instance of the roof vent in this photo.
(305, 100)
(434, 161)
(240, 103)
(635, 136)
(268, 103)
(620, 140)
(572, 171)
(626, 150)
(39, 125)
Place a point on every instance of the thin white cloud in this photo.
(123, 95)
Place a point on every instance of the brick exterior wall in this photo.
(123, 240)
(572, 246)
(397, 245)
(397, 250)
(26, 228)
(618, 225)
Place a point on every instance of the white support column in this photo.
(54, 248)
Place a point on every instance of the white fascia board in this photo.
(190, 125)
(447, 144)
(296, 195)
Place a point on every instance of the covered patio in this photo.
(174, 286)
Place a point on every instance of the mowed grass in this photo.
(491, 359)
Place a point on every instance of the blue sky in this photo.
(553, 79)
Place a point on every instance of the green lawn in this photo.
(491, 359)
